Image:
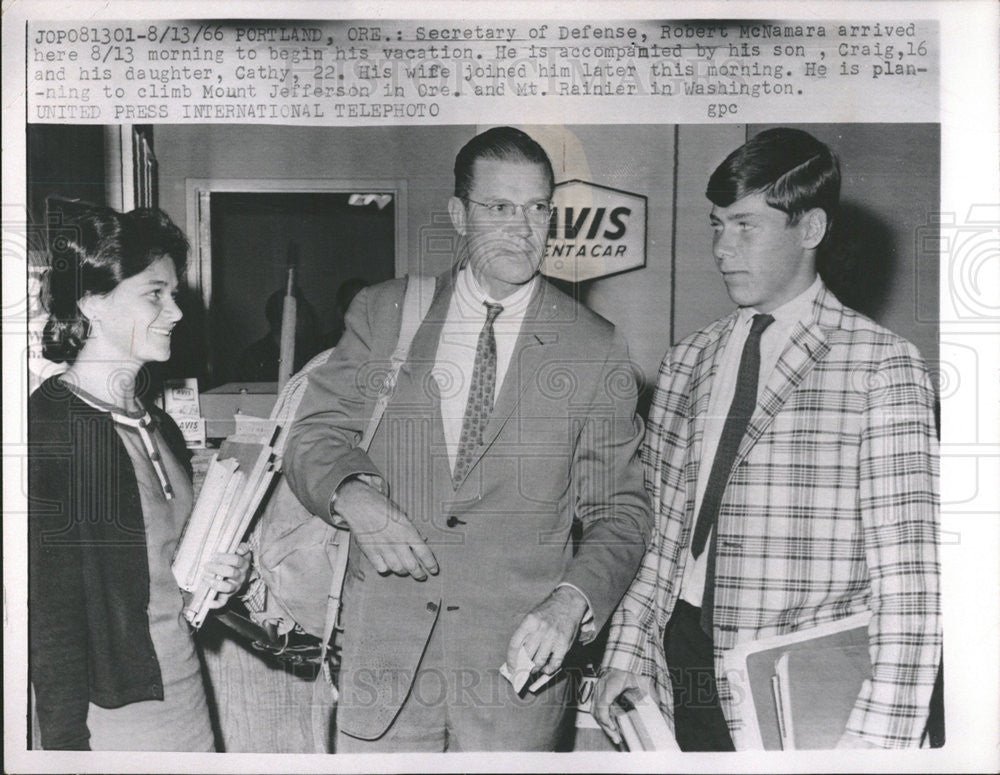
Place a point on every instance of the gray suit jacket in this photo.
(561, 445)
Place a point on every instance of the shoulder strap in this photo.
(290, 396)
(416, 302)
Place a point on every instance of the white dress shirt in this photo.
(456, 354)
(456, 357)
(772, 343)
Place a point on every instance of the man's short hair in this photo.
(503, 143)
(794, 171)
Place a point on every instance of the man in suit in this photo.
(792, 463)
(513, 416)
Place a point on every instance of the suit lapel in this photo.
(806, 348)
(705, 368)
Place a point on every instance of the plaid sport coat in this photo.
(831, 509)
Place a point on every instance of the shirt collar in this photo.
(139, 418)
(141, 421)
(471, 295)
(792, 311)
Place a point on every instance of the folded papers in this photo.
(522, 671)
(238, 478)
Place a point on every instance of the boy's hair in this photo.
(795, 172)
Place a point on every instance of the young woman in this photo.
(113, 663)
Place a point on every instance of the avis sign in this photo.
(595, 231)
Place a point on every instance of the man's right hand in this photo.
(384, 533)
(609, 687)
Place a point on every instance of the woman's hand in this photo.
(226, 574)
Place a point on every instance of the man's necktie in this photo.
(481, 390)
(740, 411)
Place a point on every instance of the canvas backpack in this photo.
(299, 558)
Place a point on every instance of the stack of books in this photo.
(641, 724)
(239, 477)
(815, 688)
(797, 691)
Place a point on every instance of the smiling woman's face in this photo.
(134, 321)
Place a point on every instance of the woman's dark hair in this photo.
(91, 250)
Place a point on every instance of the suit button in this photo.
(432, 607)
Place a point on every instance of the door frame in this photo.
(199, 227)
(198, 275)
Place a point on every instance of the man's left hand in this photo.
(549, 630)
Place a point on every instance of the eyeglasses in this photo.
(502, 210)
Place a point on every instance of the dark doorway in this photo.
(330, 237)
